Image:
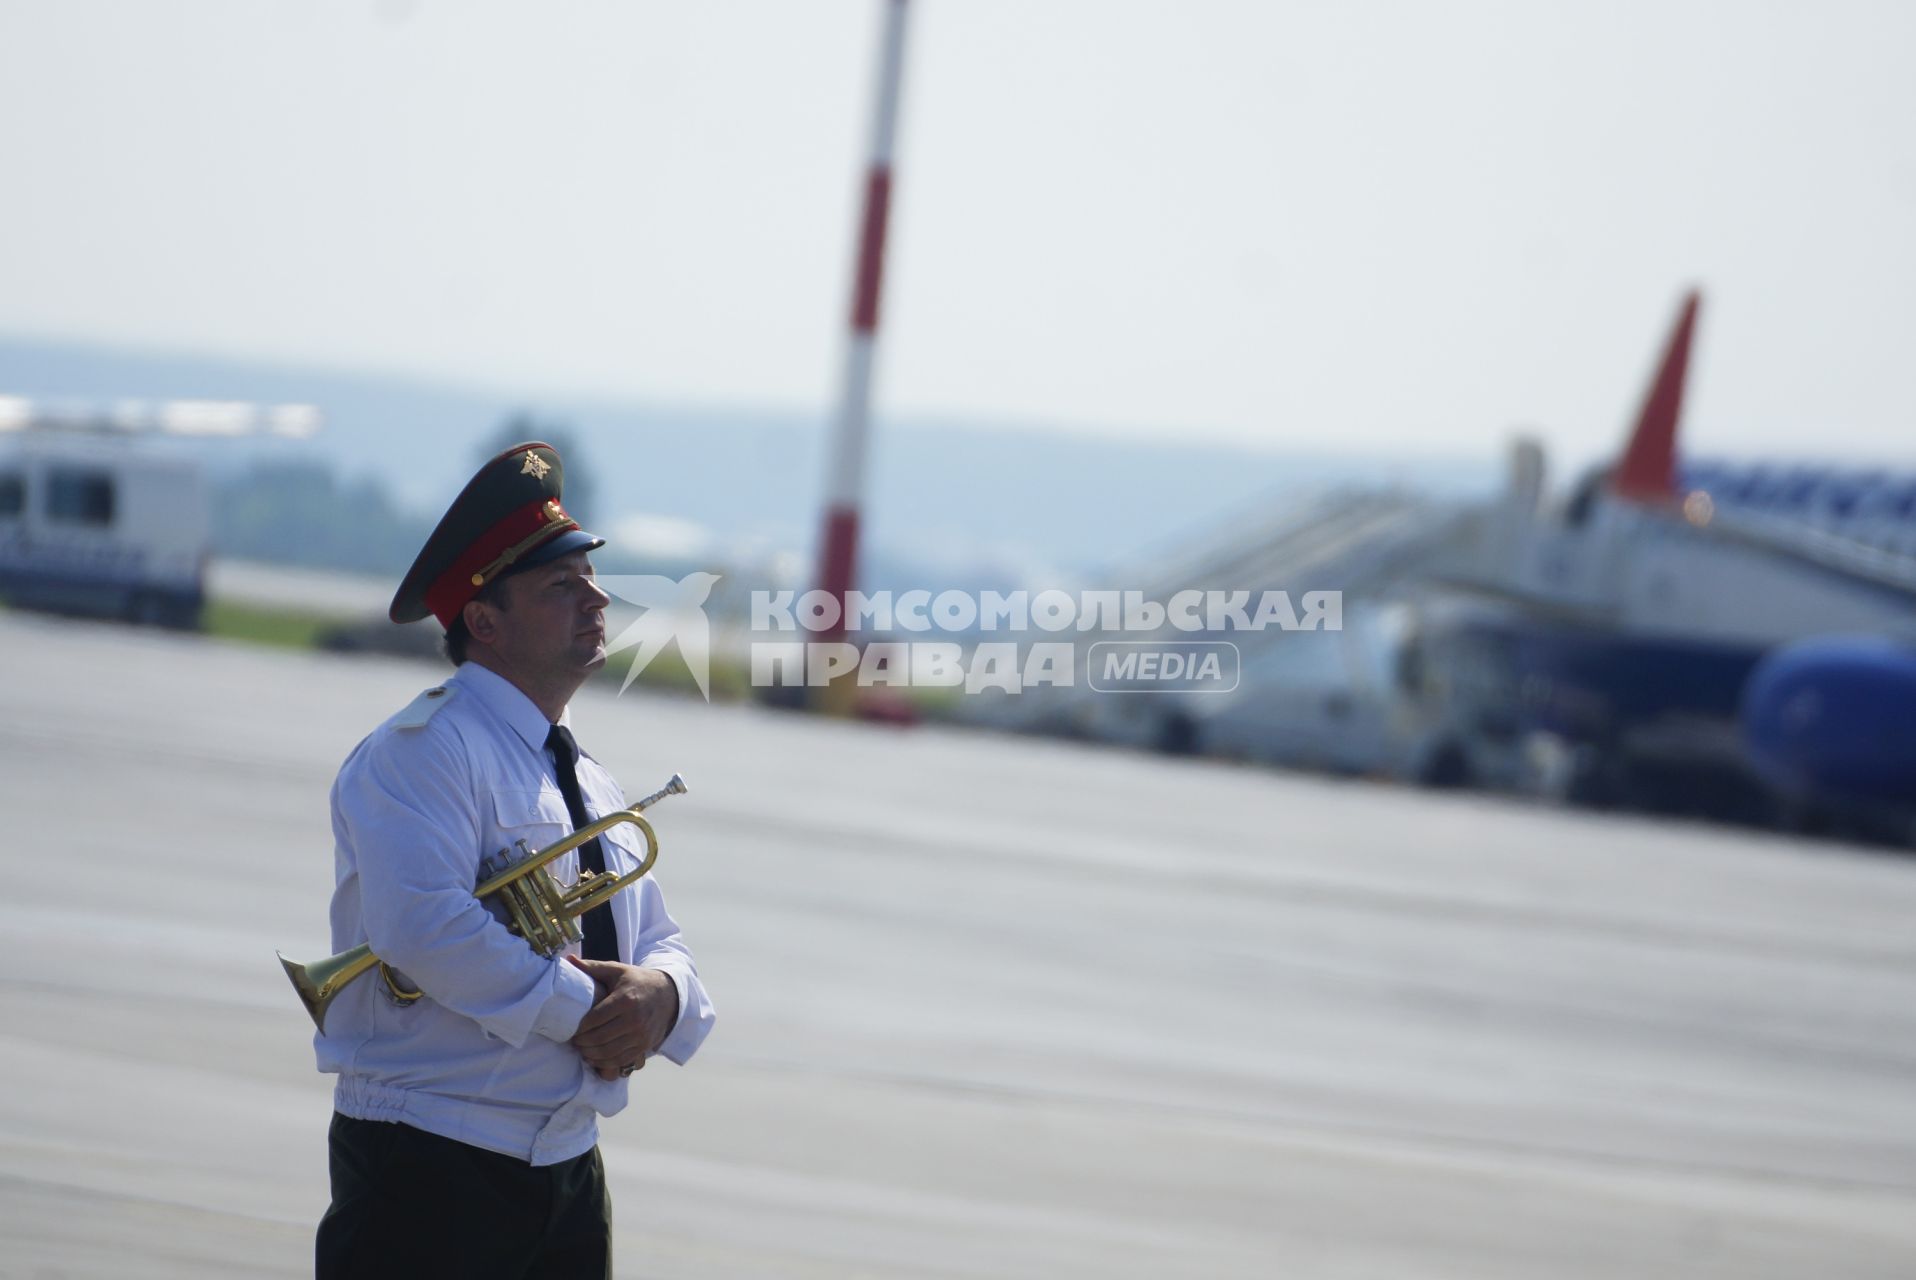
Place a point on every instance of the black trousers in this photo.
(411, 1204)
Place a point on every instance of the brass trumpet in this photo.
(540, 909)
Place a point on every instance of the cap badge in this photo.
(535, 466)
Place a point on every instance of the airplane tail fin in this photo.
(1647, 470)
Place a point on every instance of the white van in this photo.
(103, 528)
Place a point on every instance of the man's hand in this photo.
(635, 1010)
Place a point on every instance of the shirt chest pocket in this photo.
(624, 843)
(625, 848)
(524, 821)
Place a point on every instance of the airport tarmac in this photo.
(988, 1007)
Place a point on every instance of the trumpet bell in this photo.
(319, 982)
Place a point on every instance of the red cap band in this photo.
(493, 553)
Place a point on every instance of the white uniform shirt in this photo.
(483, 1059)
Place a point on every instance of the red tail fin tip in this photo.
(1647, 470)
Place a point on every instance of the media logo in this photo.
(1163, 666)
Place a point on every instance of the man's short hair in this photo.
(458, 635)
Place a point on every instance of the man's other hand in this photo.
(635, 1010)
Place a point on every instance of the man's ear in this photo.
(482, 621)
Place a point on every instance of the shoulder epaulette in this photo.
(424, 707)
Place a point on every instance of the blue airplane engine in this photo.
(1835, 717)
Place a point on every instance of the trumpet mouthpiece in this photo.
(676, 787)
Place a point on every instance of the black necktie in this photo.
(601, 935)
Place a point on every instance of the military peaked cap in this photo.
(507, 517)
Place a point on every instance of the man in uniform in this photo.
(465, 1139)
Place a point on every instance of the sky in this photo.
(1388, 229)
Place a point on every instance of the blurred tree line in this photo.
(303, 513)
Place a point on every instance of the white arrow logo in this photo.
(670, 611)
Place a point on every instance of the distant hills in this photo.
(957, 504)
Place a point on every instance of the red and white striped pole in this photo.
(845, 481)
